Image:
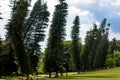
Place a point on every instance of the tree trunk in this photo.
(66, 74)
(56, 75)
(49, 74)
(27, 76)
(61, 73)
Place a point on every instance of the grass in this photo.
(108, 74)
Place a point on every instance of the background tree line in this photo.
(21, 49)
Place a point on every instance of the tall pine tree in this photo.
(15, 33)
(75, 49)
(34, 33)
(54, 53)
(86, 51)
(95, 50)
(102, 48)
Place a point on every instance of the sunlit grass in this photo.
(108, 74)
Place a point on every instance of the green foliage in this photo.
(7, 60)
(41, 63)
(113, 60)
(117, 58)
(35, 32)
(54, 52)
(110, 62)
(66, 56)
(15, 33)
(75, 47)
(112, 46)
(96, 46)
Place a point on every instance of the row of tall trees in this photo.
(88, 57)
(26, 29)
(96, 46)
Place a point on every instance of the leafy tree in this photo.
(15, 33)
(113, 60)
(117, 58)
(54, 53)
(75, 49)
(110, 62)
(34, 33)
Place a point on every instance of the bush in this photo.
(110, 62)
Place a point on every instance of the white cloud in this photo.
(109, 3)
(76, 11)
(114, 35)
(86, 21)
(118, 14)
(76, 2)
(85, 15)
(5, 10)
(83, 30)
(51, 4)
(116, 3)
(104, 3)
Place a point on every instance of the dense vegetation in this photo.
(20, 52)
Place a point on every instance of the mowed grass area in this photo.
(108, 74)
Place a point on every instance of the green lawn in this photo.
(108, 74)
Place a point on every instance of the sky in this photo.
(90, 11)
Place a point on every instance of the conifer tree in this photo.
(85, 57)
(34, 33)
(15, 34)
(112, 46)
(102, 47)
(95, 51)
(75, 49)
(54, 52)
(94, 34)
